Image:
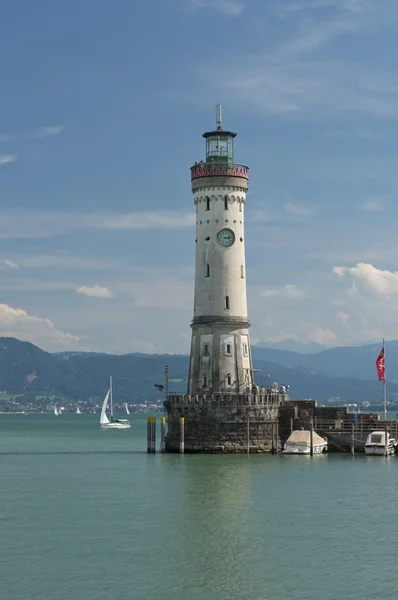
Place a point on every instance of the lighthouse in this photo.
(222, 411)
(220, 358)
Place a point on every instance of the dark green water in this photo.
(86, 514)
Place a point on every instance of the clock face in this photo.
(226, 237)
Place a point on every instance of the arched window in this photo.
(207, 203)
(225, 202)
(229, 379)
(226, 301)
(207, 270)
(204, 381)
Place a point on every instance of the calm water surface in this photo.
(86, 514)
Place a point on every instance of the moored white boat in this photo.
(78, 411)
(299, 442)
(376, 444)
(112, 423)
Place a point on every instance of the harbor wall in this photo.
(223, 423)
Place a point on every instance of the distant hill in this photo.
(26, 369)
(294, 346)
(349, 361)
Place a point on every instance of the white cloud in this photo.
(296, 209)
(366, 277)
(16, 322)
(311, 38)
(259, 216)
(10, 264)
(284, 8)
(7, 158)
(95, 291)
(46, 131)
(300, 73)
(36, 224)
(323, 336)
(343, 316)
(39, 133)
(59, 261)
(373, 205)
(287, 291)
(229, 7)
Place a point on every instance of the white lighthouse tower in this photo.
(220, 360)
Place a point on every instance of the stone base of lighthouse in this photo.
(218, 423)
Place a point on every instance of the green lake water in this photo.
(86, 514)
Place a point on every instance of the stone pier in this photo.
(219, 423)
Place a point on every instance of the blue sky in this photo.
(102, 109)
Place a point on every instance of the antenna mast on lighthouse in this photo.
(218, 116)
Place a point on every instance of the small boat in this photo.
(78, 411)
(376, 444)
(56, 413)
(126, 407)
(112, 423)
(299, 442)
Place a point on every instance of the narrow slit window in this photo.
(242, 274)
(240, 206)
(245, 349)
(229, 380)
(226, 301)
(207, 270)
(225, 202)
(206, 350)
(228, 348)
(204, 381)
(207, 203)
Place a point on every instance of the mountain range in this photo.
(346, 373)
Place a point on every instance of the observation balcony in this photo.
(219, 169)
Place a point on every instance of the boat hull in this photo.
(373, 450)
(116, 426)
(292, 449)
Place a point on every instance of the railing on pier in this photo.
(362, 424)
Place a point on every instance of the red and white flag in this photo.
(380, 365)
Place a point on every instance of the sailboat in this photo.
(104, 420)
(56, 413)
(126, 408)
(78, 411)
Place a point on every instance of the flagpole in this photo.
(384, 385)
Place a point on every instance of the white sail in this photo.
(56, 411)
(78, 411)
(104, 417)
(127, 408)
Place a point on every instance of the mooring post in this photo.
(277, 435)
(273, 441)
(353, 438)
(311, 438)
(148, 435)
(153, 434)
(182, 434)
(386, 440)
(163, 434)
(248, 435)
(291, 425)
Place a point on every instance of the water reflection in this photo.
(220, 539)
